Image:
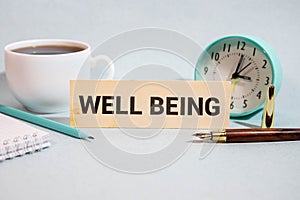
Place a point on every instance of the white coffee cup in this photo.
(41, 81)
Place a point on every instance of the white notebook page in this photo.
(18, 138)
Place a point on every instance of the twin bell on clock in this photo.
(249, 63)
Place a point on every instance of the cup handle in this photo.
(110, 68)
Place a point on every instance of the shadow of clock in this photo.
(242, 120)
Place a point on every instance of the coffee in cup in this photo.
(39, 72)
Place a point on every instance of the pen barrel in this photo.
(262, 135)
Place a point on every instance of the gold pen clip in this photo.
(268, 114)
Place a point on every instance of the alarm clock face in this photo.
(243, 62)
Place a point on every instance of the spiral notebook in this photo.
(18, 138)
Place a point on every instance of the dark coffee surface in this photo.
(48, 49)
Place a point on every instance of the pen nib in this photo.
(203, 136)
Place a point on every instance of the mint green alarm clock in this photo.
(249, 63)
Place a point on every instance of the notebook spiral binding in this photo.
(21, 145)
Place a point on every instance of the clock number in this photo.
(231, 105)
(215, 56)
(224, 47)
(254, 50)
(205, 70)
(241, 44)
(259, 95)
(267, 80)
(245, 103)
(265, 63)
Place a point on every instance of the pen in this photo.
(268, 114)
(251, 135)
(46, 123)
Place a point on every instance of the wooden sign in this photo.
(149, 104)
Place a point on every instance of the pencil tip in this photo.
(91, 137)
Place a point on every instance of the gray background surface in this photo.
(235, 171)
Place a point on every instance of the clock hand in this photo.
(239, 64)
(233, 85)
(244, 77)
(238, 67)
(243, 68)
(235, 81)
